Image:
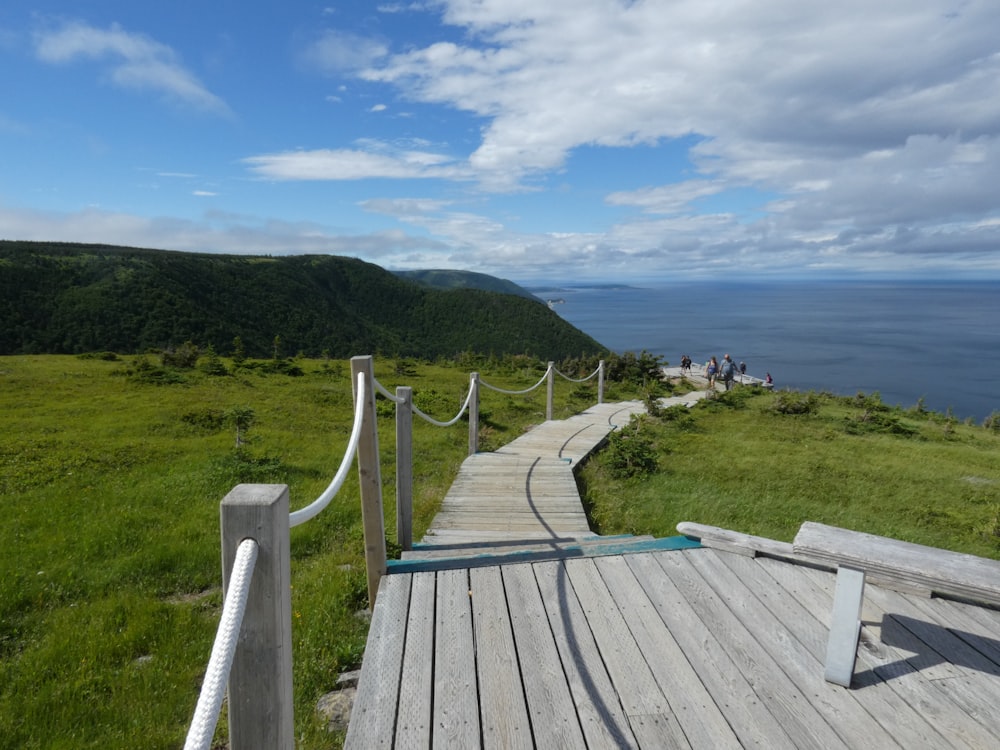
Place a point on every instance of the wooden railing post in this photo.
(260, 680)
(404, 467)
(370, 478)
(549, 390)
(600, 382)
(473, 413)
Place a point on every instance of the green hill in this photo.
(448, 279)
(70, 298)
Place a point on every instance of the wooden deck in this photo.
(690, 648)
(583, 642)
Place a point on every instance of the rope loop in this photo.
(316, 507)
(580, 380)
(518, 393)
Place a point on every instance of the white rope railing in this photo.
(316, 507)
(416, 410)
(385, 392)
(580, 380)
(457, 417)
(213, 689)
(517, 393)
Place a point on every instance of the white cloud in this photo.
(335, 51)
(375, 160)
(853, 120)
(137, 62)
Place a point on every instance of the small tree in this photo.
(242, 418)
(239, 353)
(184, 356)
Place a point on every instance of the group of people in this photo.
(725, 371)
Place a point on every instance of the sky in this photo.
(554, 141)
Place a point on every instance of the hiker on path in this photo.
(728, 371)
(711, 370)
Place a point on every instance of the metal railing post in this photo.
(600, 382)
(473, 413)
(260, 680)
(549, 390)
(404, 467)
(370, 479)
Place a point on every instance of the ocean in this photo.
(939, 341)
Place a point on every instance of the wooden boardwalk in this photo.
(582, 642)
(526, 491)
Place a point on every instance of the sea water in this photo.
(935, 341)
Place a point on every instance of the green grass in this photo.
(738, 463)
(109, 552)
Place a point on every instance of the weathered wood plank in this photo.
(791, 706)
(745, 711)
(700, 719)
(976, 691)
(554, 720)
(790, 605)
(647, 709)
(612, 547)
(598, 706)
(919, 708)
(940, 570)
(414, 717)
(802, 653)
(456, 694)
(374, 716)
(502, 709)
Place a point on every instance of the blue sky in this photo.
(556, 141)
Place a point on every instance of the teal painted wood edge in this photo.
(556, 553)
(498, 545)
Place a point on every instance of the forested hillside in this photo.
(69, 298)
(448, 279)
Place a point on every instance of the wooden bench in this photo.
(909, 567)
(896, 564)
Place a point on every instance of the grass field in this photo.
(748, 462)
(112, 470)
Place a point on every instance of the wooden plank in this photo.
(647, 709)
(456, 695)
(502, 709)
(554, 552)
(976, 691)
(700, 719)
(791, 707)
(598, 706)
(745, 710)
(373, 716)
(713, 536)
(923, 717)
(772, 620)
(940, 570)
(554, 720)
(414, 719)
(978, 626)
(845, 626)
(807, 620)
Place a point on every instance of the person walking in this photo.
(728, 371)
(711, 370)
